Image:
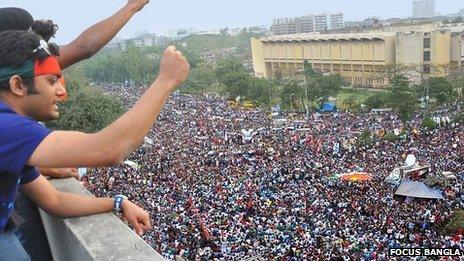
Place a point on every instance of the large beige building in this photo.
(361, 59)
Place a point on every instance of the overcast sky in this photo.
(74, 16)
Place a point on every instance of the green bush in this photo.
(390, 137)
(429, 124)
(365, 138)
(456, 222)
(378, 100)
(460, 117)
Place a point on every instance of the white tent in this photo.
(416, 189)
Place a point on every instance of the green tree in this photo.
(456, 79)
(458, 19)
(139, 67)
(261, 91)
(390, 137)
(428, 123)
(292, 92)
(402, 98)
(365, 138)
(440, 89)
(231, 73)
(377, 100)
(320, 87)
(351, 103)
(75, 79)
(88, 110)
(200, 79)
(134, 63)
(460, 117)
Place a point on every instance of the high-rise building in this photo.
(461, 12)
(321, 22)
(423, 8)
(284, 26)
(336, 21)
(307, 24)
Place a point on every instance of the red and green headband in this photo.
(31, 69)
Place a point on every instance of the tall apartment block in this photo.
(307, 24)
(423, 8)
(336, 21)
(321, 22)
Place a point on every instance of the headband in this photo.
(31, 69)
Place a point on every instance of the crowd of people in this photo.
(230, 183)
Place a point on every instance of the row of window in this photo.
(361, 80)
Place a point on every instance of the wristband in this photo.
(118, 199)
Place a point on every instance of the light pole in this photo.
(291, 102)
(270, 97)
(307, 99)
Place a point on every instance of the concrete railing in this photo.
(96, 237)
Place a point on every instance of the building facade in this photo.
(423, 8)
(321, 22)
(283, 26)
(307, 24)
(336, 21)
(363, 59)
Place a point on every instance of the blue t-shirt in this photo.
(19, 137)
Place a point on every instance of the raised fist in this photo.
(137, 5)
(174, 68)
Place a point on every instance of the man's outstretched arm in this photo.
(113, 144)
(59, 173)
(98, 35)
(63, 204)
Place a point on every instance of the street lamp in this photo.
(307, 100)
(291, 102)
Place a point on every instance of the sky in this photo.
(73, 17)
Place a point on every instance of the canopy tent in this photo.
(416, 189)
(405, 171)
(356, 176)
(328, 107)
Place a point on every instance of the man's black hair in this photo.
(17, 47)
(12, 18)
(44, 28)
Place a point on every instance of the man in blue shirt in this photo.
(30, 91)
(84, 46)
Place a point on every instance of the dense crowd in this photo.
(215, 191)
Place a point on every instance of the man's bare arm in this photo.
(63, 204)
(98, 35)
(60, 173)
(113, 144)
